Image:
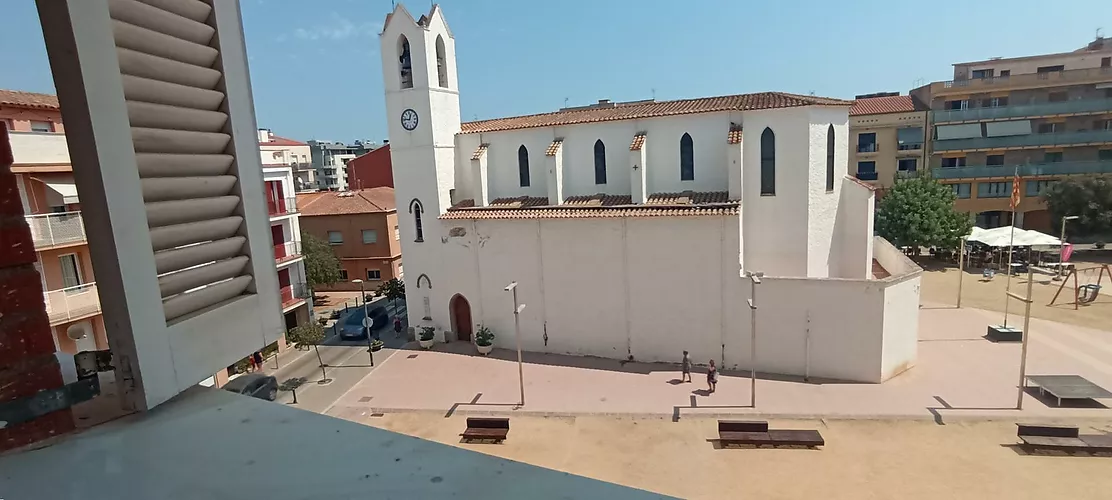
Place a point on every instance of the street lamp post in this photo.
(512, 287)
(754, 280)
(961, 265)
(1062, 245)
(1026, 337)
(367, 321)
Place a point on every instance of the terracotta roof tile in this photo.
(861, 183)
(480, 151)
(360, 201)
(650, 109)
(554, 147)
(31, 100)
(881, 105)
(281, 141)
(734, 136)
(600, 205)
(638, 142)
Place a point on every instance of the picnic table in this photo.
(1067, 387)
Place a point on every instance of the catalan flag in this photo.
(1015, 189)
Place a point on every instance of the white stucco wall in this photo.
(851, 253)
(822, 205)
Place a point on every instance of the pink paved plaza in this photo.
(958, 374)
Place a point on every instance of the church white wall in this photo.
(851, 253)
(823, 204)
(776, 227)
(901, 326)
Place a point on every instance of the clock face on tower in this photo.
(409, 119)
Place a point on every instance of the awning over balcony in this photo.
(60, 190)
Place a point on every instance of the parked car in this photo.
(255, 385)
(352, 328)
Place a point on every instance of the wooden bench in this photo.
(486, 429)
(1062, 438)
(757, 433)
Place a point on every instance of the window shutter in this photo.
(161, 127)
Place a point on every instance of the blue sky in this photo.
(316, 71)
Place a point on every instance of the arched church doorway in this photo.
(461, 317)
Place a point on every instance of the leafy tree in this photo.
(393, 290)
(919, 212)
(310, 334)
(321, 265)
(1088, 197)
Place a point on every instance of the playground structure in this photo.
(1086, 293)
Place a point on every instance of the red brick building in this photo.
(371, 170)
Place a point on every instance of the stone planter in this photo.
(426, 344)
(484, 349)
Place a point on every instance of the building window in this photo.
(401, 272)
(370, 236)
(1108, 93)
(397, 233)
(994, 189)
(1104, 124)
(1050, 128)
(600, 162)
(980, 74)
(405, 63)
(907, 165)
(768, 162)
(910, 138)
(1050, 69)
(42, 126)
(335, 238)
(417, 224)
(961, 190)
(687, 158)
(1004, 73)
(1058, 97)
(866, 170)
(1037, 188)
(441, 64)
(374, 274)
(71, 270)
(953, 162)
(994, 102)
(1104, 155)
(960, 104)
(343, 275)
(994, 160)
(866, 143)
(1052, 157)
(1106, 62)
(523, 166)
(830, 157)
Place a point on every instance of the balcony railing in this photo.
(1058, 168)
(867, 148)
(48, 230)
(281, 206)
(292, 294)
(1069, 77)
(910, 146)
(867, 176)
(72, 303)
(1026, 110)
(1029, 140)
(287, 251)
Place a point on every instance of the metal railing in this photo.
(48, 230)
(1023, 110)
(1040, 79)
(910, 146)
(1058, 168)
(72, 303)
(1035, 140)
(293, 293)
(281, 206)
(867, 176)
(287, 251)
(868, 148)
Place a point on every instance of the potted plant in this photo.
(484, 340)
(426, 339)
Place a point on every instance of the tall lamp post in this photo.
(367, 321)
(961, 265)
(512, 287)
(1062, 245)
(754, 280)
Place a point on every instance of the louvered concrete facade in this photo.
(628, 226)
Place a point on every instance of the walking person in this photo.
(685, 376)
(250, 363)
(712, 376)
(397, 327)
(258, 358)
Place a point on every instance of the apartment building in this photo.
(285, 233)
(275, 150)
(44, 179)
(362, 228)
(1044, 116)
(887, 138)
(372, 169)
(330, 160)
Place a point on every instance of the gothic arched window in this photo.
(416, 208)
(441, 64)
(405, 63)
(600, 162)
(687, 158)
(523, 165)
(768, 162)
(830, 158)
